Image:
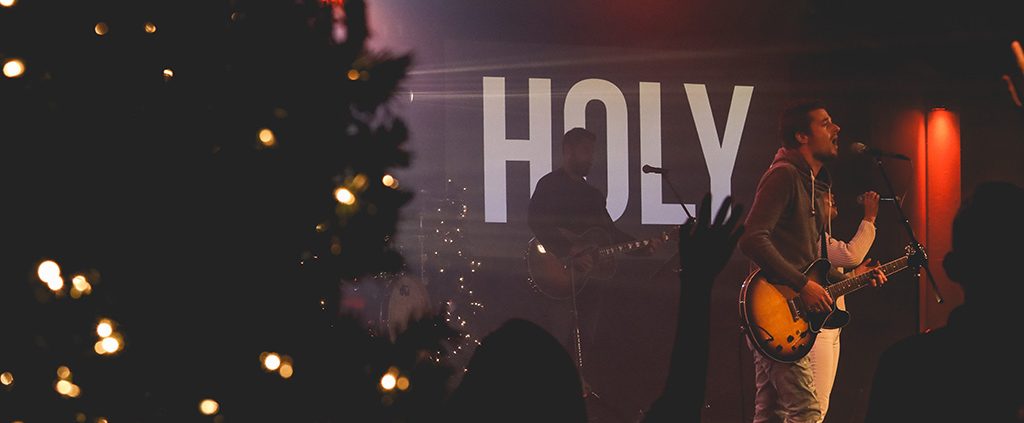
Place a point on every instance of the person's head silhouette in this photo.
(987, 239)
(519, 373)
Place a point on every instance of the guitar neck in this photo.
(626, 247)
(864, 279)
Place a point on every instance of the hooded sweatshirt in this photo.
(784, 225)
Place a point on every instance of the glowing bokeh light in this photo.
(344, 196)
(389, 181)
(48, 271)
(110, 345)
(388, 381)
(272, 361)
(14, 68)
(101, 29)
(402, 383)
(267, 137)
(6, 378)
(208, 407)
(287, 370)
(64, 372)
(63, 387)
(353, 74)
(75, 391)
(168, 74)
(104, 328)
(8, 3)
(150, 27)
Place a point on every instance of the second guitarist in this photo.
(564, 201)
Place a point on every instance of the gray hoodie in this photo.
(783, 227)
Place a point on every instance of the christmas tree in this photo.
(189, 183)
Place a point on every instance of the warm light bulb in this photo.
(7, 378)
(287, 370)
(98, 347)
(110, 345)
(101, 29)
(14, 68)
(267, 137)
(7, 3)
(63, 387)
(344, 196)
(48, 271)
(272, 361)
(208, 407)
(150, 27)
(389, 181)
(104, 328)
(55, 284)
(63, 372)
(388, 381)
(168, 74)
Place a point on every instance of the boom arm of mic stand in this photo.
(664, 177)
(910, 232)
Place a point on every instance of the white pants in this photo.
(824, 357)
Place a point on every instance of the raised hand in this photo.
(705, 246)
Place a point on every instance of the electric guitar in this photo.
(554, 277)
(779, 324)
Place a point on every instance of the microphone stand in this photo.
(675, 257)
(910, 232)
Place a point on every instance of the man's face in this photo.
(823, 137)
(580, 158)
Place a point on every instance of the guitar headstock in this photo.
(916, 256)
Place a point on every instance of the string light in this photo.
(150, 27)
(287, 370)
(208, 407)
(14, 68)
(104, 328)
(101, 29)
(389, 380)
(271, 361)
(344, 196)
(389, 181)
(110, 345)
(6, 378)
(80, 286)
(168, 74)
(267, 137)
(63, 373)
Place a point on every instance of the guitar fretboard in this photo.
(857, 282)
(624, 247)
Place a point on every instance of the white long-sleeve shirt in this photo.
(844, 254)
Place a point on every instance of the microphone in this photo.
(652, 169)
(860, 198)
(860, 148)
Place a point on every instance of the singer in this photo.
(786, 233)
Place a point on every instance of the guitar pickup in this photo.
(794, 309)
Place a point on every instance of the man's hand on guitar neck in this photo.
(878, 277)
(815, 297)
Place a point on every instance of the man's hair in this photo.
(797, 118)
(577, 136)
